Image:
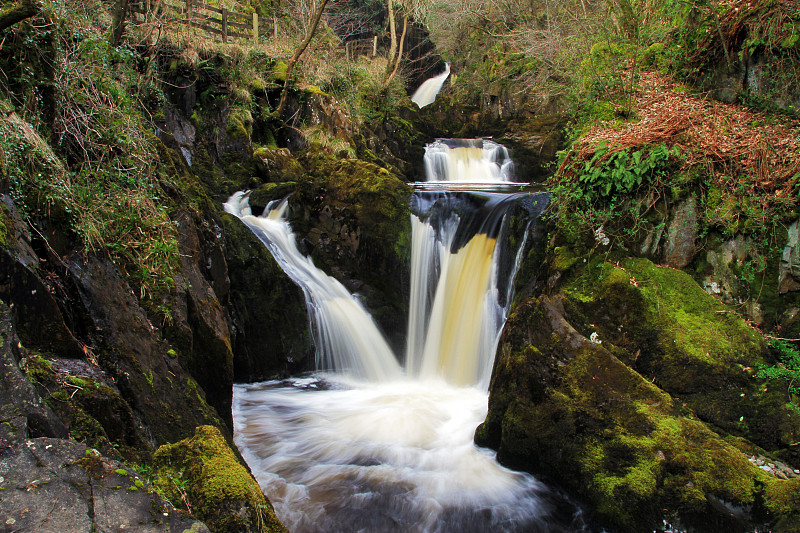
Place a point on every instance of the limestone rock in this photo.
(681, 235)
(55, 485)
(789, 275)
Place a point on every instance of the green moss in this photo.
(219, 489)
(279, 71)
(81, 382)
(563, 258)
(313, 89)
(661, 322)
(39, 369)
(5, 223)
(559, 403)
(121, 472)
(240, 123)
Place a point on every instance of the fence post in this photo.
(224, 25)
(374, 46)
(255, 27)
(275, 26)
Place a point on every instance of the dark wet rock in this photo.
(41, 323)
(199, 332)
(22, 412)
(18, 236)
(277, 165)
(56, 485)
(219, 490)
(269, 324)
(533, 142)
(150, 379)
(261, 197)
(354, 219)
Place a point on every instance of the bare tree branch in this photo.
(17, 13)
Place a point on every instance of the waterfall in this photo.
(427, 92)
(468, 160)
(375, 446)
(345, 335)
(459, 283)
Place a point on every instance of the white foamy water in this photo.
(467, 160)
(396, 456)
(427, 92)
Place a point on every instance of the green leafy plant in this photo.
(623, 171)
(787, 369)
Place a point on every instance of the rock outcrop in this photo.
(639, 383)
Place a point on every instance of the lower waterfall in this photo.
(366, 444)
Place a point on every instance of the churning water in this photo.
(367, 444)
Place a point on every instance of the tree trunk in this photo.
(399, 53)
(297, 53)
(23, 10)
(392, 36)
(118, 22)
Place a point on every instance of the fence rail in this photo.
(225, 24)
(221, 22)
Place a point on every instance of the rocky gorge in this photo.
(633, 355)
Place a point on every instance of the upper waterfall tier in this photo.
(468, 160)
(427, 92)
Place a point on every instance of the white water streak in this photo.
(427, 92)
(346, 336)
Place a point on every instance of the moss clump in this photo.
(279, 71)
(5, 223)
(563, 259)
(665, 326)
(240, 123)
(218, 489)
(39, 369)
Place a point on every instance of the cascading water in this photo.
(468, 160)
(370, 446)
(427, 92)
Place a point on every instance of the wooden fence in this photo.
(361, 47)
(218, 22)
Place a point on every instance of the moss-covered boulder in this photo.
(662, 324)
(204, 474)
(566, 408)
(354, 219)
(277, 165)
